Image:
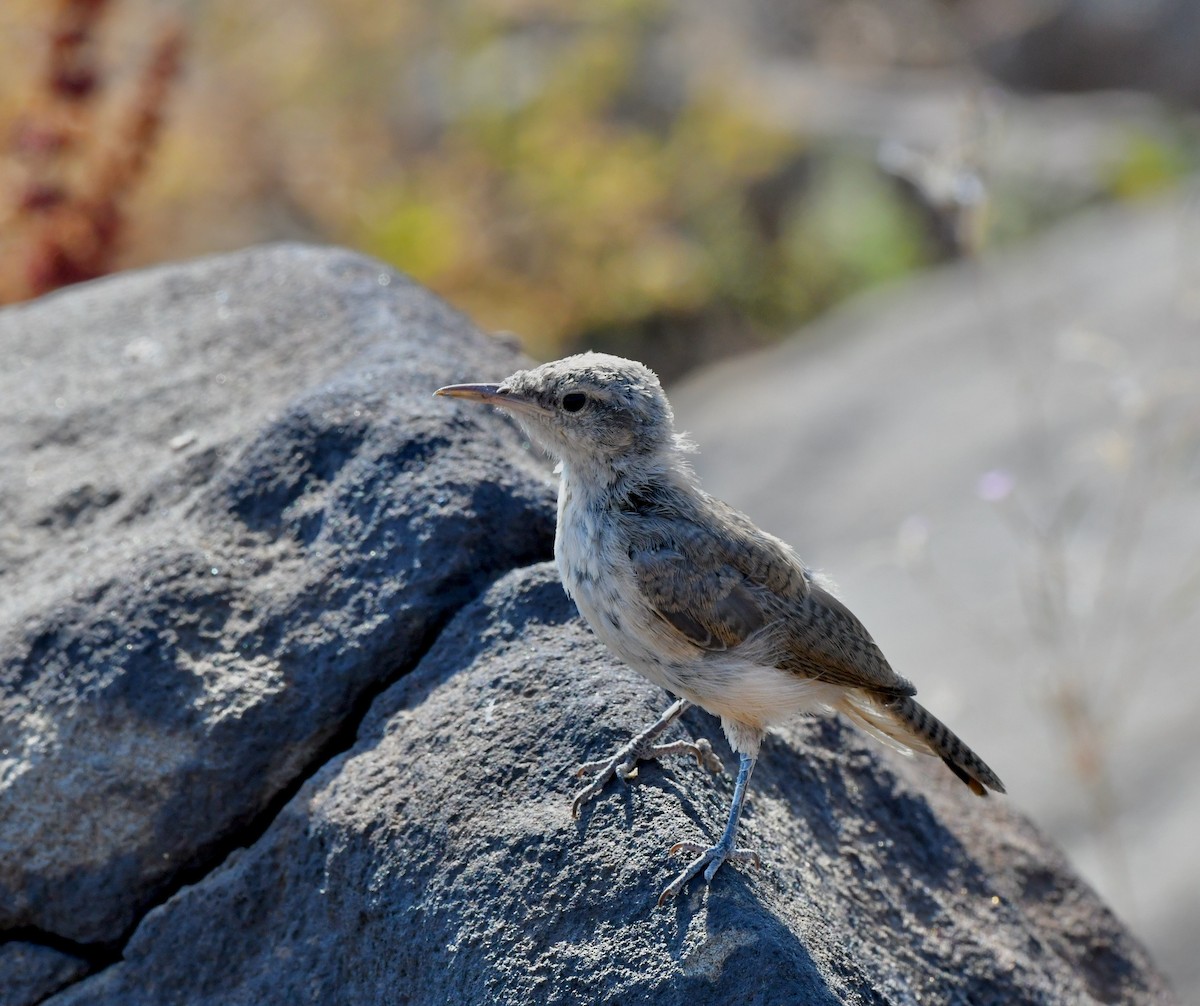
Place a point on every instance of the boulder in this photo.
(234, 514)
(437, 862)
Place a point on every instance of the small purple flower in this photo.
(995, 485)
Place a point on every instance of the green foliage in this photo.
(1150, 163)
(850, 231)
(554, 200)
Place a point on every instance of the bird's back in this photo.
(724, 584)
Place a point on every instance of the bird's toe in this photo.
(709, 859)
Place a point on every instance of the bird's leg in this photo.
(642, 748)
(724, 849)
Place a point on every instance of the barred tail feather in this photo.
(902, 722)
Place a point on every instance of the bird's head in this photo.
(585, 409)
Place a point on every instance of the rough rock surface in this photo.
(237, 524)
(30, 971)
(233, 513)
(437, 862)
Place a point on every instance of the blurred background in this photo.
(674, 180)
(685, 181)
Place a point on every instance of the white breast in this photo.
(595, 569)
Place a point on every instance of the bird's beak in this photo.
(490, 394)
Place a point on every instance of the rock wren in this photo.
(690, 593)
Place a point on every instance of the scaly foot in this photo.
(711, 857)
(643, 748)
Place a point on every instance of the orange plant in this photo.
(63, 215)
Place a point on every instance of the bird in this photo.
(693, 595)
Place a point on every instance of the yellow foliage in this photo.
(510, 154)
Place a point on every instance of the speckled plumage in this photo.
(690, 592)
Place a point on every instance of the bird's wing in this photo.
(718, 583)
(706, 600)
(824, 640)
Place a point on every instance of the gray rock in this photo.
(437, 861)
(233, 514)
(31, 971)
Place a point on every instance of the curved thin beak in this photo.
(490, 394)
(473, 392)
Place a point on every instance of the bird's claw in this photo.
(709, 859)
(624, 763)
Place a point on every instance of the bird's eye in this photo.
(573, 401)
